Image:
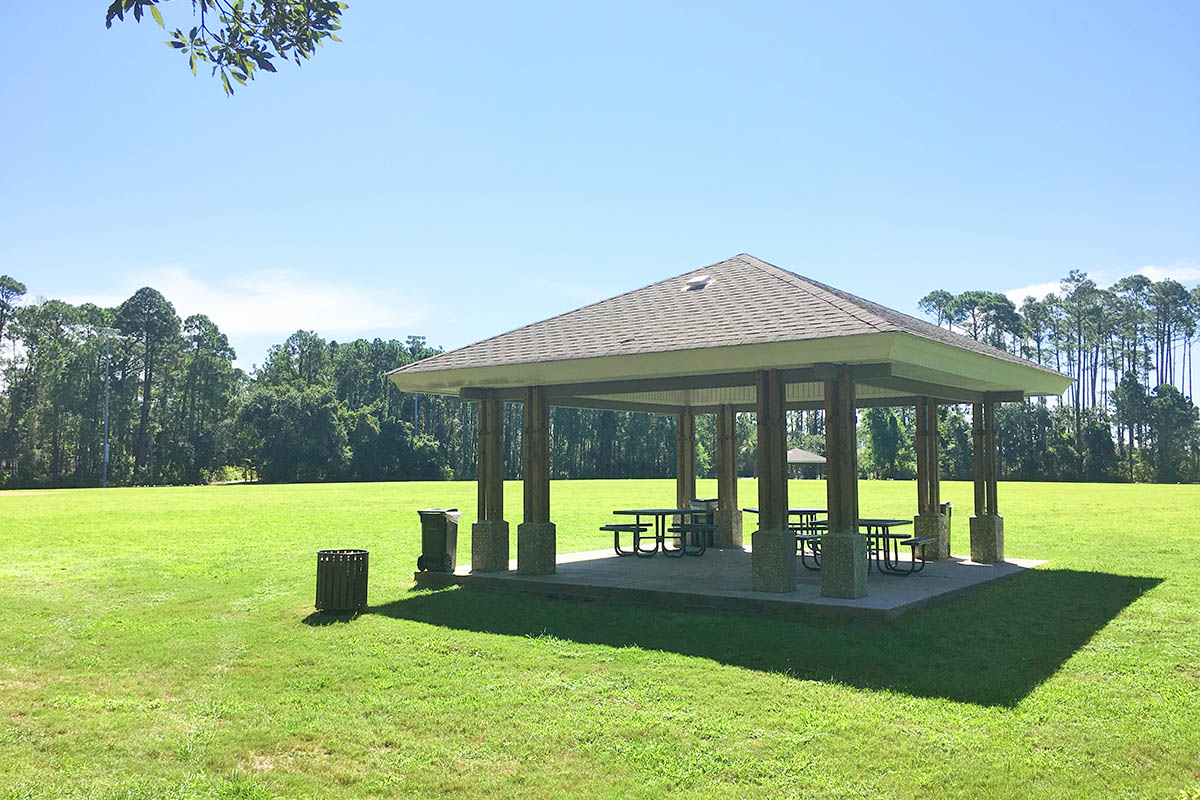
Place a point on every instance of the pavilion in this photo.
(798, 456)
(738, 335)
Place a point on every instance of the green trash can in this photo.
(439, 539)
(342, 580)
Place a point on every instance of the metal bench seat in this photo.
(809, 547)
(917, 546)
(635, 528)
(693, 538)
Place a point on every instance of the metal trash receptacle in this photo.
(947, 509)
(342, 580)
(709, 507)
(439, 539)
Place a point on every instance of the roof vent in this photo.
(696, 283)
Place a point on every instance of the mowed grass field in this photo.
(160, 643)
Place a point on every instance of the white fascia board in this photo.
(935, 362)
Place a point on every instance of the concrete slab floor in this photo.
(720, 579)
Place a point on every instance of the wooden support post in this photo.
(729, 516)
(685, 458)
(536, 535)
(491, 459)
(922, 448)
(727, 498)
(841, 454)
(535, 456)
(935, 471)
(489, 534)
(772, 452)
(990, 456)
(929, 523)
(978, 462)
(843, 548)
(773, 562)
(987, 526)
(482, 464)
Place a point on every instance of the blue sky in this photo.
(456, 170)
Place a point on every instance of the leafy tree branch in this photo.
(237, 38)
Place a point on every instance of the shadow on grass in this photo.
(319, 619)
(989, 647)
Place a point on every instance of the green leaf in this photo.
(157, 16)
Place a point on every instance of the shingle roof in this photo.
(746, 301)
(799, 456)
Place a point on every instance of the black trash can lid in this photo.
(434, 511)
(342, 552)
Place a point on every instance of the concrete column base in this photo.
(729, 529)
(489, 546)
(933, 526)
(844, 565)
(987, 539)
(773, 561)
(536, 548)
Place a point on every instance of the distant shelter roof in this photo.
(799, 456)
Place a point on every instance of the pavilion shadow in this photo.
(991, 646)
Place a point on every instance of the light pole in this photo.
(108, 334)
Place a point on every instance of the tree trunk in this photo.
(143, 444)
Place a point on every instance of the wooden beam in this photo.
(857, 372)
(727, 499)
(678, 383)
(535, 452)
(816, 405)
(772, 452)
(604, 404)
(841, 453)
(926, 389)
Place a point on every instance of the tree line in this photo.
(180, 411)
(1128, 415)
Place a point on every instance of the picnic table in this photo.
(807, 516)
(689, 534)
(883, 546)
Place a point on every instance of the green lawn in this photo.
(159, 643)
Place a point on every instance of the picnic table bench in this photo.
(690, 536)
(883, 546)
